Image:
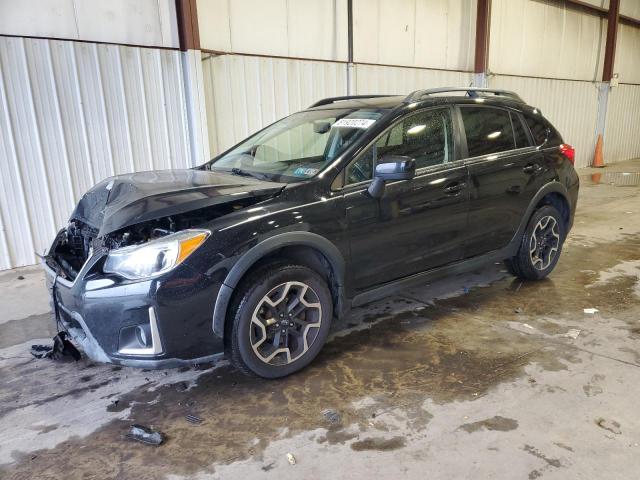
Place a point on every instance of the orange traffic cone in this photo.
(596, 177)
(598, 162)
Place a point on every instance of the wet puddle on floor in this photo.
(616, 179)
(456, 349)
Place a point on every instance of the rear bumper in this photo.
(102, 314)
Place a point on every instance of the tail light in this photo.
(569, 152)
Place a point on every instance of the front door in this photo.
(418, 224)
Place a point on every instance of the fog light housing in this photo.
(141, 339)
(143, 335)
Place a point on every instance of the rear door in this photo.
(417, 224)
(505, 171)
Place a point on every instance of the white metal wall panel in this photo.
(570, 105)
(137, 22)
(545, 39)
(245, 93)
(630, 8)
(377, 79)
(627, 64)
(622, 134)
(415, 33)
(301, 28)
(72, 114)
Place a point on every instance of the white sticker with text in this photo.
(354, 123)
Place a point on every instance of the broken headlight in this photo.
(156, 257)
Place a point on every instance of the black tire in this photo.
(522, 265)
(250, 295)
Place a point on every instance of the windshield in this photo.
(299, 146)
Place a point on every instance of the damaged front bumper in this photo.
(157, 323)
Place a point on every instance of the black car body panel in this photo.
(449, 217)
(125, 200)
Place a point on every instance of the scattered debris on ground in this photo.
(61, 347)
(519, 310)
(591, 311)
(572, 333)
(145, 435)
(193, 419)
(611, 425)
(331, 416)
(291, 459)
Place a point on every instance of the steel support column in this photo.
(483, 22)
(189, 34)
(351, 87)
(609, 62)
(612, 35)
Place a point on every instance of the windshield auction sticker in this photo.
(354, 123)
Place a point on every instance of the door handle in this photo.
(455, 187)
(532, 168)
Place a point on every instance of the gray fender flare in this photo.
(249, 258)
(551, 187)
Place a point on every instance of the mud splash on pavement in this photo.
(456, 349)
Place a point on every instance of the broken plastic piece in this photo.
(291, 459)
(145, 435)
(193, 419)
(591, 311)
(572, 333)
(331, 416)
(61, 347)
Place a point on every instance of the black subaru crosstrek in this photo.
(253, 253)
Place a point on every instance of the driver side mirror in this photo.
(391, 167)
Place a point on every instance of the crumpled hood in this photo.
(125, 200)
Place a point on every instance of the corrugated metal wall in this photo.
(245, 93)
(72, 114)
(375, 79)
(622, 134)
(571, 106)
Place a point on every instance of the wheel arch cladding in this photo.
(306, 248)
(550, 194)
(560, 202)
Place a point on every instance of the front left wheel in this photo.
(281, 319)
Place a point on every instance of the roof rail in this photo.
(329, 100)
(472, 92)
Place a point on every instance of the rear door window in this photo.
(488, 130)
(522, 139)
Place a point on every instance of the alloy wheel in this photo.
(285, 323)
(544, 242)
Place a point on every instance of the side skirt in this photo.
(390, 288)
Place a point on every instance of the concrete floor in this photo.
(478, 376)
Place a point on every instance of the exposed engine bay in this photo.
(78, 241)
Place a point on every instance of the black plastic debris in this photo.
(61, 347)
(331, 416)
(193, 419)
(145, 435)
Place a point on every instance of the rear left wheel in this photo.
(281, 320)
(540, 246)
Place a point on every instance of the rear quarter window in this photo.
(538, 127)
